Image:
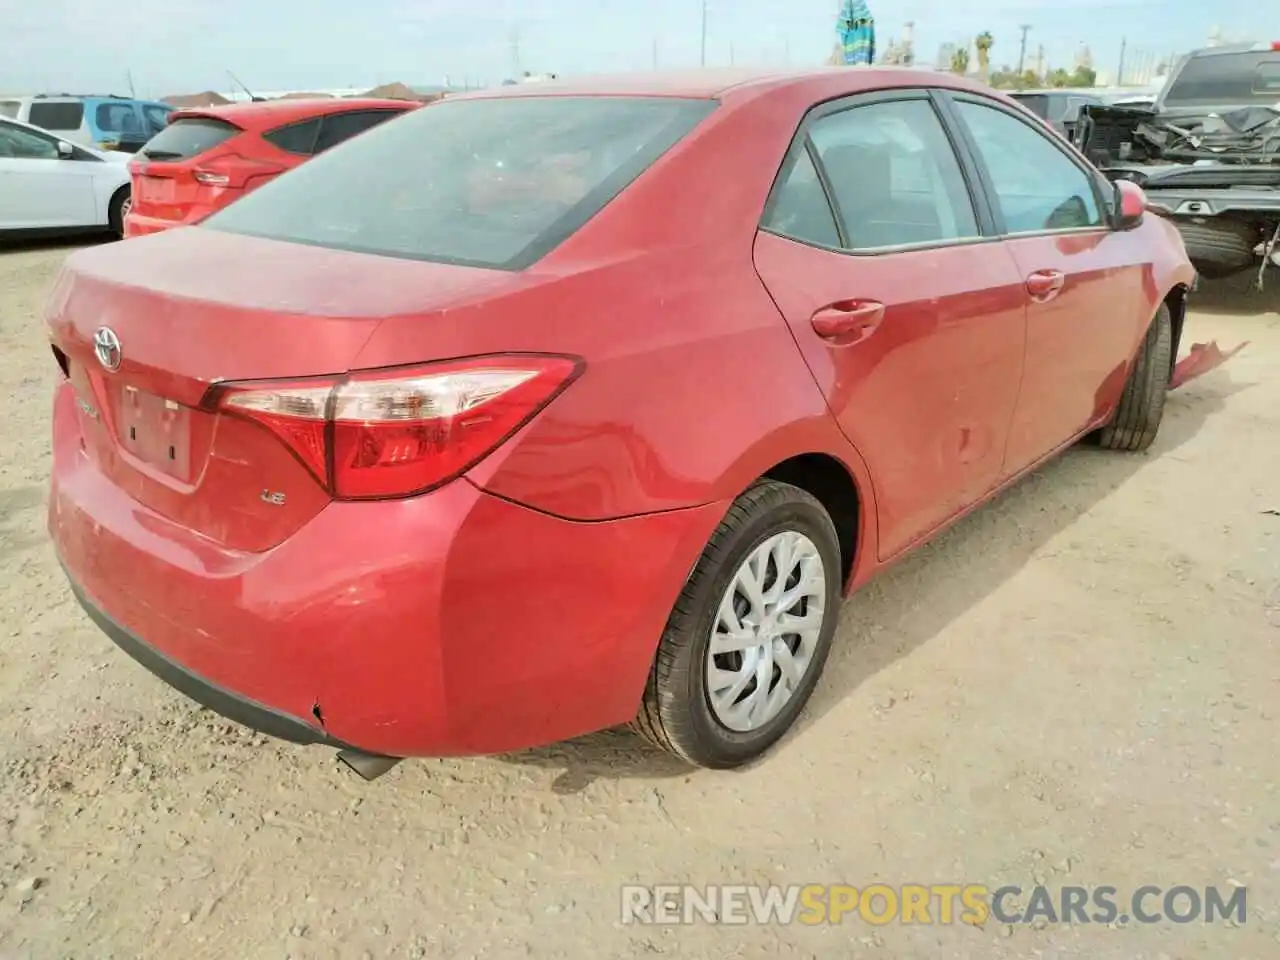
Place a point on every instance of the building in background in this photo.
(195, 101)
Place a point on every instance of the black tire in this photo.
(676, 712)
(1141, 406)
(117, 210)
(1220, 246)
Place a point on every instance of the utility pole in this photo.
(1022, 50)
(515, 51)
(1124, 44)
(704, 32)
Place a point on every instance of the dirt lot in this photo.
(1080, 684)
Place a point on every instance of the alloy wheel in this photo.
(766, 631)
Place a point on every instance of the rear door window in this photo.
(118, 118)
(799, 209)
(492, 182)
(156, 118)
(299, 138)
(56, 115)
(337, 127)
(894, 176)
(1226, 79)
(188, 137)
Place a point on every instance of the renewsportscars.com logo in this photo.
(943, 904)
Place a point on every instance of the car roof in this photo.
(1053, 92)
(1229, 48)
(81, 98)
(270, 112)
(730, 83)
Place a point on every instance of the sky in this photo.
(182, 46)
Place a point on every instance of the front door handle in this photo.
(1044, 285)
(848, 321)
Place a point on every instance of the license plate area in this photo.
(156, 190)
(156, 431)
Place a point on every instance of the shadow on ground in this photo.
(22, 243)
(1023, 520)
(1236, 296)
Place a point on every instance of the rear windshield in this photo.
(487, 182)
(1036, 103)
(184, 139)
(1227, 79)
(1060, 107)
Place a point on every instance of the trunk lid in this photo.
(191, 168)
(190, 307)
(169, 191)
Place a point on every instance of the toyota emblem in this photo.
(106, 347)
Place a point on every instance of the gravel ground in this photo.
(1078, 685)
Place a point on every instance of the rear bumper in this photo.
(231, 705)
(136, 225)
(451, 623)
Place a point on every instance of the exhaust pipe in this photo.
(368, 765)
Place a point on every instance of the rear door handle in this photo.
(1044, 285)
(848, 321)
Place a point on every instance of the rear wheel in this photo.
(1141, 407)
(118, 210)
(749, 635)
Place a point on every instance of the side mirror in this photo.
(1131, 205)
(65, 150)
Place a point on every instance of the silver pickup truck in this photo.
(1207, 153)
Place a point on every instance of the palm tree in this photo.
(984, 42)
(960, 61)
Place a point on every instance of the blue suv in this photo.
(103, 122)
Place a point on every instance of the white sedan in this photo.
(49, 185)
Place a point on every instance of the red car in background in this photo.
(205, 159)
(556, 407)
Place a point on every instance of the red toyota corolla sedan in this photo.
(559, 407)
(204, 160)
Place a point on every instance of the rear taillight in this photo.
(230, 170)
(400, 432)
(1275, 45)
(211, 178)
